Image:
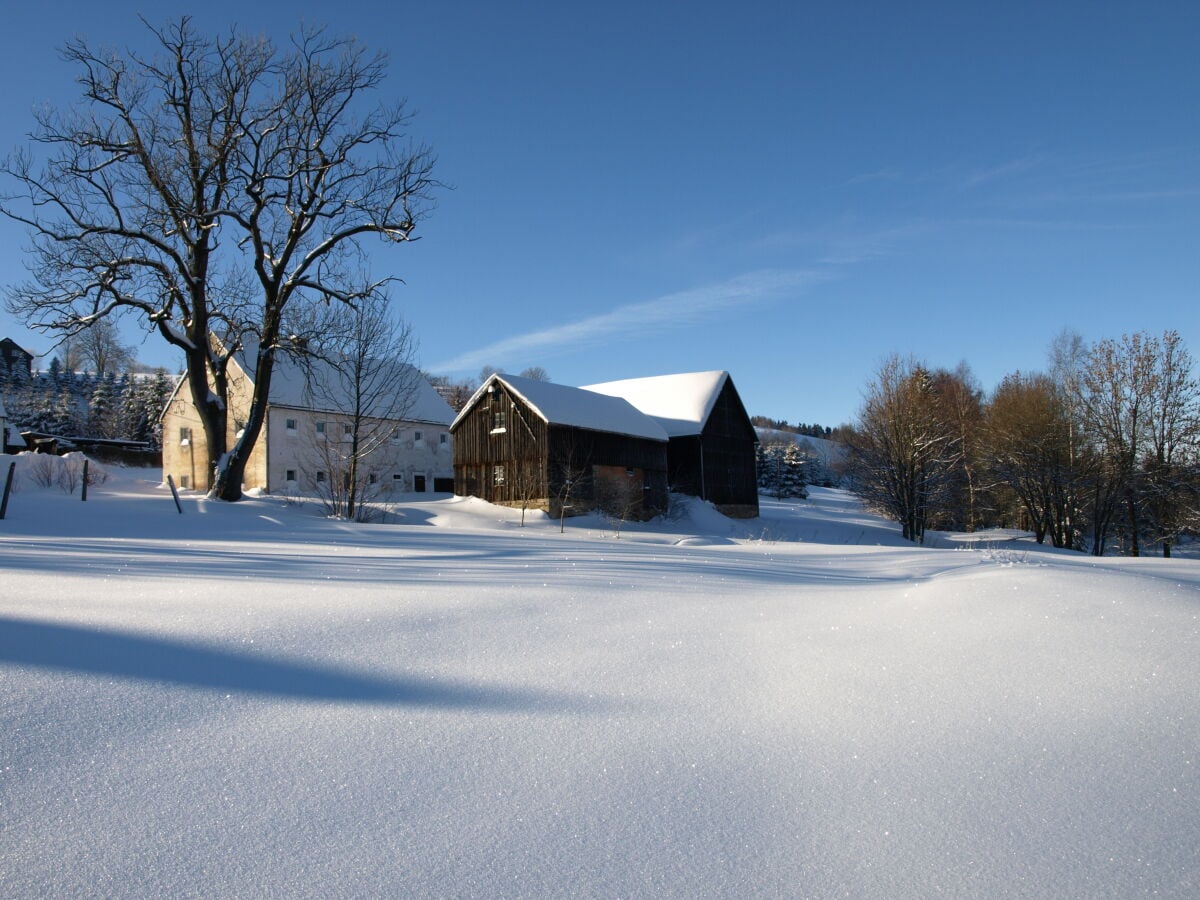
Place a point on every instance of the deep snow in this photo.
(252, 700)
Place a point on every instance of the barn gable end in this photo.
(527, 443)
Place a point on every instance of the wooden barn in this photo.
(712, 441)
(527, 443)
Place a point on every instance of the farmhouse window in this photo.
(443, 439)
(185, 482)
(372, 478)
(291, 426)
(320, 477)
(418, 436)
(185, 436)
(320, 429)
(291, 475)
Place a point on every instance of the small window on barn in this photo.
(498, 475)
(396, 476)
(443, 439)
(291, 426)
(397, 435)
(372, 478)
(291, 475)
(320, 429)
(320, 477)
(347, 431)
(185, 482)
(418, 438)
(499, 421)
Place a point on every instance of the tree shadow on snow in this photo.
(95, 651)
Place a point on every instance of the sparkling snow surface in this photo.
(250, 700)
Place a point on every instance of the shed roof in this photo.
(680, 403)
(558, 404)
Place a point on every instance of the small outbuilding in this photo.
(712, 440)
(521, 442)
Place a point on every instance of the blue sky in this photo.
(790, 191)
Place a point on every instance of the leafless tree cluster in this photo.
(208, 190)
(1104, 445)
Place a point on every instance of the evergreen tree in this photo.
(102, 408)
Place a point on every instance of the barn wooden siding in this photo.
(718, 465)
(520, 445)
(502, 436)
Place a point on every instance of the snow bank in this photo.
(250, 699)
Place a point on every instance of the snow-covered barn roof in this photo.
(558, 404)
(680, 403)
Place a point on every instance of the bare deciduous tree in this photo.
(361, 371)
(206, 189)
(902, 454)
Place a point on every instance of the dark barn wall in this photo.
(575, 451)
(501, 430)
(481, 443)
(728, 439)
(719, 464)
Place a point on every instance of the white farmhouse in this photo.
(404, 442)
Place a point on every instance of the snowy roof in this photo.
(318, 385)
(680, 403)
(558, 404)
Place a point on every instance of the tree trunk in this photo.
(1131, 503)
(231, 471)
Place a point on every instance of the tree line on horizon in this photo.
(1102, 447)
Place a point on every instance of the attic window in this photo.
(499, 421)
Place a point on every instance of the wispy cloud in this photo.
(1001, 171)
(843, 245)
(672, 311)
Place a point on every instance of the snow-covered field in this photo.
(250, 700)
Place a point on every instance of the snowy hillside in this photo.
(251, 700)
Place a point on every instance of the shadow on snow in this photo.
(95, 651)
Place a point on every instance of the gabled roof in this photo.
(557, 404)
(319, 386)
(680, 403)
(11, 344)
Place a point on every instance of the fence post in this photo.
(7, 489)
(83, 491)
(175, 494)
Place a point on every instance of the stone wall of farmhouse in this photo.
(185, 449)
